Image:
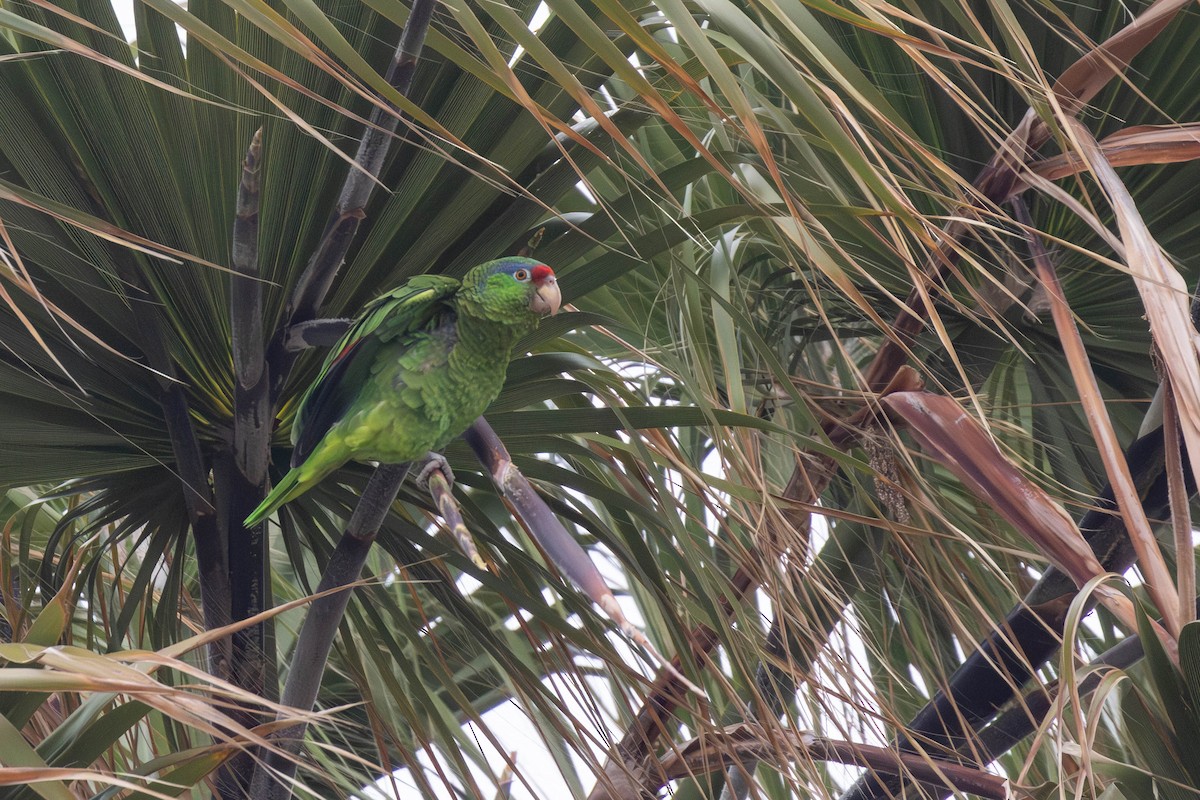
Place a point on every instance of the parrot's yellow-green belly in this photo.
(417, 400)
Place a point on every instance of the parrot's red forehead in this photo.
(541, 272)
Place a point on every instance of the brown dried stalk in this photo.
(716, 750)
(1131, 147)
(1150, 558)
(961, 444)
(540, 523)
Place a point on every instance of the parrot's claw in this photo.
(434, 462)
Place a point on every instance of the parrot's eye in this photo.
(522, 275)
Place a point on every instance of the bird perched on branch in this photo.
(415, 370)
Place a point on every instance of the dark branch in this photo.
(315, 333)
(1022, 719)
(190, 464)
(1028, 713)
(272, 779)
(240, 476)
(309, 292)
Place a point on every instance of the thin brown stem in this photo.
(1158, 581)
(714, 751)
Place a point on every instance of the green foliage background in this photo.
(739, 198)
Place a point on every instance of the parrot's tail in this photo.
(287, 490)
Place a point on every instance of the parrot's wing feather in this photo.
(419, 304)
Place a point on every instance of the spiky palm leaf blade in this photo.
(764, 317)
(1011, 362)
(164, 166)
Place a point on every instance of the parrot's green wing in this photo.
(418, 304)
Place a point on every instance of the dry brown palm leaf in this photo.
(960, 443)
(1150, 557)
(1131, 147)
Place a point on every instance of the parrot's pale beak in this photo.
(548, 298)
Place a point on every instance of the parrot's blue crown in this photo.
(518, 268)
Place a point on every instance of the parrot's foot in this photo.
(434, 462)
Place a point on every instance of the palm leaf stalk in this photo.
(541, 523)
(251, 433)
(1022, 719)
(198, 497)
(261, 376)
(316, 333)
(251, 437)
(273, 775)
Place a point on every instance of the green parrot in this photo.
(416, 368)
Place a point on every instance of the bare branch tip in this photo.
(669, 667)
(251, 162)
(614, 612)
